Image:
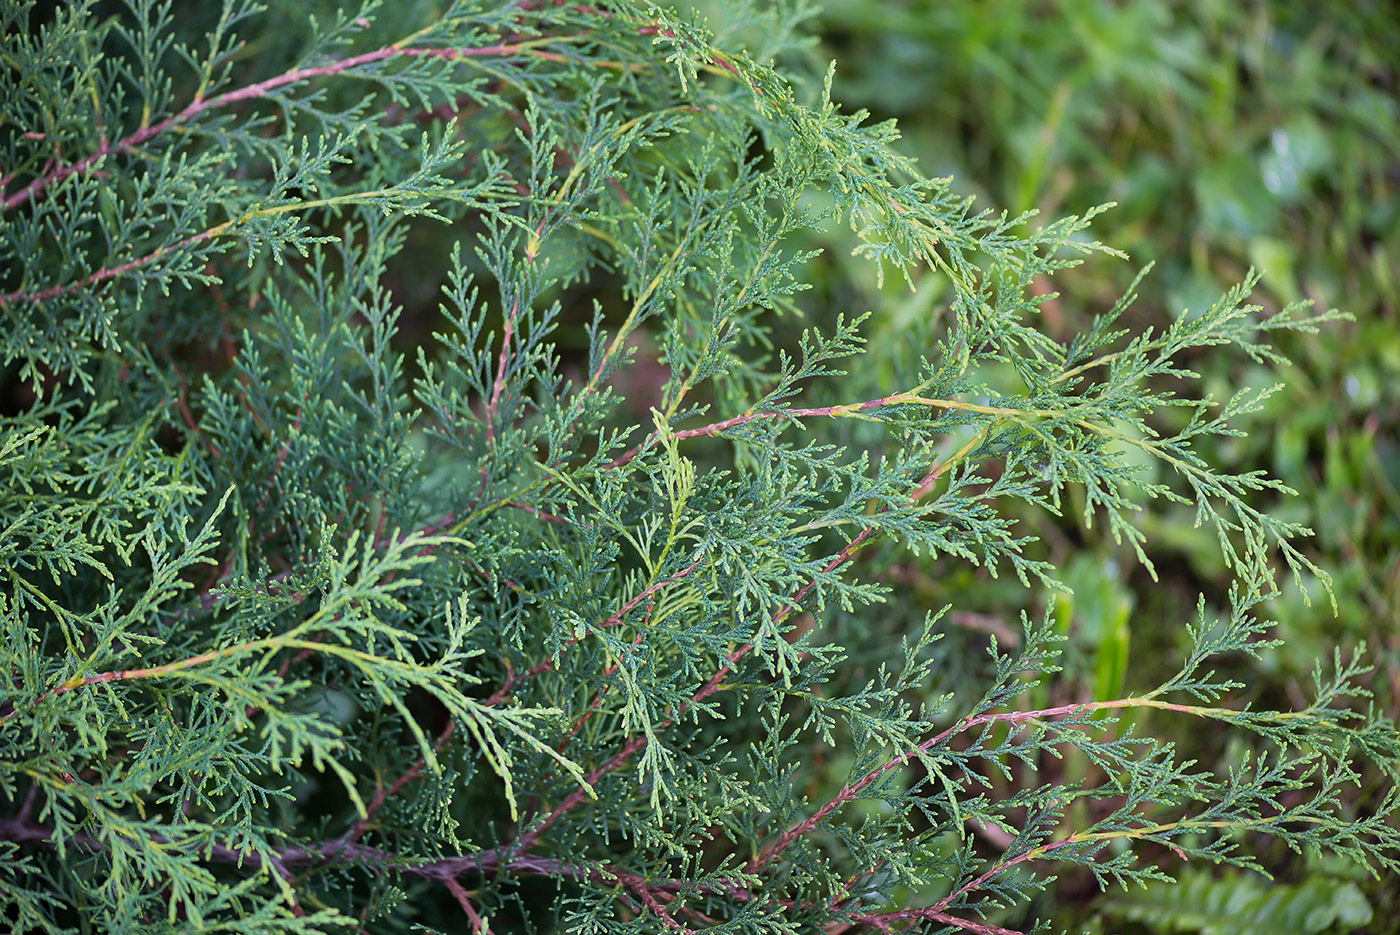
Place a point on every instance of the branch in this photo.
(883, 920)
(464, 900)
(843, 411)
(547, 664)
(262, 89)
(111, 272)
(575, 797)
(852, 789)
(381, 795)
(379, 861)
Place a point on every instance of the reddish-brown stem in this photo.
(124, 675)
(444, 869)
(464, 900)
(185, 414)
(286, 445)
(715, 60)
(252, 92)
(884, 920)
(1000, 868)
(574, 798)
(594, 704)
(103, 275)
(577, 796)
(648, 591)
(852, 789)
(499, 383)
(545, 665)
(381, 794)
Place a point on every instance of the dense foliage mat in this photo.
(563, 611)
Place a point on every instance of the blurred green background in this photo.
(1231, 135)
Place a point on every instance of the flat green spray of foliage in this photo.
(311, 627)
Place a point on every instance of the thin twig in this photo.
(262, 89)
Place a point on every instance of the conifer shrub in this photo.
(566, 605)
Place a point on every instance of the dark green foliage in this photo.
(314, 621)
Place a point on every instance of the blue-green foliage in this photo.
(311, 624)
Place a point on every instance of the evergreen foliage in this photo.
(310, 630)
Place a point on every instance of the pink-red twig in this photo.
(463, 898)
(884, 921)
(851, 790)
(253, 92)
(634, 744)
(382, 794)
(103, 275)
(499, 383)
(545, 665)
